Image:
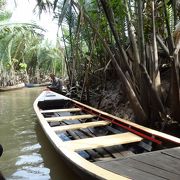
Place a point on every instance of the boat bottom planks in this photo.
(98, 145)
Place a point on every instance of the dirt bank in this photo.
(113, 100)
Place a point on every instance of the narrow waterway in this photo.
(27, 152)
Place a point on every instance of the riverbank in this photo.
(113, 100)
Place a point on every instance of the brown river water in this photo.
(27, 152)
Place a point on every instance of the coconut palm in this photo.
(24, 53)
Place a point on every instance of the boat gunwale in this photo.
(131, 126)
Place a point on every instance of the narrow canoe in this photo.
(98, 145)
(31, 85)
(10, 88)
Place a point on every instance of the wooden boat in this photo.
(10, 88)
(98, 145)
(31, 85)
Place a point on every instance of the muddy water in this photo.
(27, 152)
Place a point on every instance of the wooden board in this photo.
(75, 135)
(86, 116)
(79, 126)
(160, 160)
(173, 152)
(82, 133)
(102, 141)
(61, 110)
(148, 168)
(126, 170)
(153, 165)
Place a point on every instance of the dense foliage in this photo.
(24, 53)
(126, 40)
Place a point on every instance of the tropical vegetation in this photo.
(127, 41)
(133, 43)
(24, 51)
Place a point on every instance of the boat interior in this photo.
(95, 136)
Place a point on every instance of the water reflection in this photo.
(27, 152)
(53, 158)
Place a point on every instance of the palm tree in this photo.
(23, 51)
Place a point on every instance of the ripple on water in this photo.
(32, 147)
(28, 168)
(26, 132)
(30, 172)
(30, 159)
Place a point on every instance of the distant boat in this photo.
(31, 85)
(98, 145)
(10, 88)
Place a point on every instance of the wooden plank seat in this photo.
(80, 125)
(54, 119)
(61, 110)
(102, 141)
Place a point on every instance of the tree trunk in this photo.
(156, 78)
(175, 90)
(109, 15)
(139, 112)
(133, 39)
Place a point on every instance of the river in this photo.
(27, 152)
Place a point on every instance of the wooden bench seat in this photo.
(102, 141)
(61, 110)
(55, 119)
(80, 125)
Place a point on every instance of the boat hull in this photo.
(32, 85)
(49, 103)
(11, 88)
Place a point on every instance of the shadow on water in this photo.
(52, 160)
